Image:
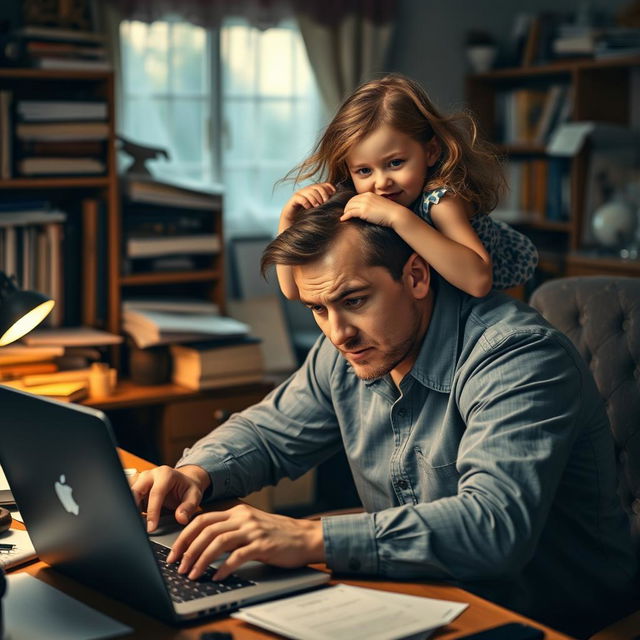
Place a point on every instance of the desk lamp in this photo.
(20, 311)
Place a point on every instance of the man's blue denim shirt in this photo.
(491, 467)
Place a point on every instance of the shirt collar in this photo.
(435, 365)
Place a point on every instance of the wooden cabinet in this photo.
(596, 90)
(185, 421)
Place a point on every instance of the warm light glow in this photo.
(28, 321)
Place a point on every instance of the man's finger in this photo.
(192, 531)
(157, 495)
(235, 560)
(221, 543)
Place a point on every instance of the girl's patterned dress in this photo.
(514, 256)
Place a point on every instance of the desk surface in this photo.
(480, 614)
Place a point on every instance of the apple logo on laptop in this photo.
(64, 492)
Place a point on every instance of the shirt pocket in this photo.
(438, 479)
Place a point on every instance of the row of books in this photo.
(31, 236)
(47, 47)
(52, 137)
(539, 189)
(529, 116)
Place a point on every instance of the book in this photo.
(217, 382)
(172, 195)
(60, 34)
(19, 353)
(60, 166)
(58, 131)
(10, 371)
(178, 245)
(70, 337)
(70, 391)
(210, 359)
(172, 305)
(30, 217)
(72, 64)
(6, 134)
(59, 110)
(149, 328)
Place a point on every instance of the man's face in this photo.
(376, 322)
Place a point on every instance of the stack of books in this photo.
(18, 360)
(150, 328)
(59, 137)
(216, 363)
(46, 47)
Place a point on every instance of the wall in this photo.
(429, 40)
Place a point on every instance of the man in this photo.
(478, 442)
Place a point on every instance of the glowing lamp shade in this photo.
(20, 311)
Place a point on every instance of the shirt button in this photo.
(403, 484)
(354, 564)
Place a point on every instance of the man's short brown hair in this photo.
(314, 230)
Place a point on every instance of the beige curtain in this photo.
(346, 41)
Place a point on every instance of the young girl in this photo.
(389, 143)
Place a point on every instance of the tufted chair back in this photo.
(601, 315)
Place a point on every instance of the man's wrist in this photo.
(315, 541)
(197, 474)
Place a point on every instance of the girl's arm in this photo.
(453, 249)
(306, 198)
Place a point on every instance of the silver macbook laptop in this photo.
(63, 467)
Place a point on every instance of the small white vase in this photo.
(481, 57)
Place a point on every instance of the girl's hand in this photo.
(374, 209)
(311, 196)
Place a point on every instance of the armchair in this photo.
(601, 316)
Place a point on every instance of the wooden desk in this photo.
(481, 614)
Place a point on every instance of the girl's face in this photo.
(392, 164)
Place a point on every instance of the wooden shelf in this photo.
(53, 74)
(522, 149)
(170, 277)
(559, 68)
(62, 182)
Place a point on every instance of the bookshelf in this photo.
(81, 197)
(172, 242)
(594, 90)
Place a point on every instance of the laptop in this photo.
(67, 479)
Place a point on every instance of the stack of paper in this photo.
(344, 612)
(148, 328)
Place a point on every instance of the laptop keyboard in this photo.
(182, 589)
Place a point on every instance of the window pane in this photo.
(240, 139)
(276, 62)
(188, 129)
(238, 54)
(189, 47)
(275, 121)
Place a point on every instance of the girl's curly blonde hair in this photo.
(468, 166)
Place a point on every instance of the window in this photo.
(238, 106)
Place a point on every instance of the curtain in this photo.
(346, 41)
(204, 13)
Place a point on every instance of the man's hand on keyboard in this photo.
(246, 533)
(180, 489)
